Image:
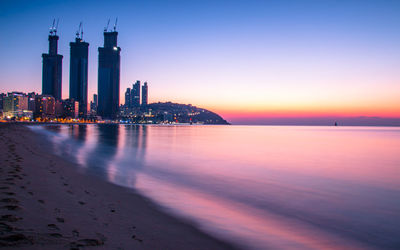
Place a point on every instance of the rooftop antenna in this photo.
(115, 25)
(79, 29)
(106, 28)
(52, 27)
(82, 32)
(55, 30)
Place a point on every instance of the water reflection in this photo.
(115, 153)
(277, 187)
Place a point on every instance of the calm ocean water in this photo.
(256, 186)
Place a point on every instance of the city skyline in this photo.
(337, 67)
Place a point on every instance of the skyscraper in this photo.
(78, 72)
(108, 76)
(128, 98)
(145, 92)
(135, 94)
(52, 68)
(93, 105)
(95, 100)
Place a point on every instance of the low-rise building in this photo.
(15, 104)
(44, 106)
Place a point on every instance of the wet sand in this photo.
(45, 203)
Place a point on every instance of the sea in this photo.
(257, 187)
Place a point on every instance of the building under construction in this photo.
(78, 71)
(52, 67)
(109, 75)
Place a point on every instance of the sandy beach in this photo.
(45, 203)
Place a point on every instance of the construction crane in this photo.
(52, 27)
(78, 31)
(108, 23)
(55, 30)
(115, 25)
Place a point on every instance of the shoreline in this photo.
(196, 124)
(47, 203)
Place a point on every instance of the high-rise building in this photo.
(145, 94)
(52, 68)
(2, 95)
(78, 73)
(128, 98)
(93, 105)
(108, 76)
(95, 100)
(135, 94)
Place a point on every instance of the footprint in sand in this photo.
(61, 220)
(12, 240)
(53, 226)
(87, 242)
(10, 218)
(56, 235)
(5, 227)
(9, 193)
(12, 207)
(135, 238)
(111, 207)
(9, 200)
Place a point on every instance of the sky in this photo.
(252, 62)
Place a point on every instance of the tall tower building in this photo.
(128, 98)
(52, 68)
(78, 72)
(135, 94)
(145, 94)
(108, 76)
(95, 100)
(93, 105)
